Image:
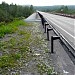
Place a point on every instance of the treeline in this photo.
(9, 12)
(69, 9)
(65, 10)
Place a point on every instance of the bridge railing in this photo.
(62, 38)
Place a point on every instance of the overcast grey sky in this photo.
(40, 2)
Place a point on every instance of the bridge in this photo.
(63, 27)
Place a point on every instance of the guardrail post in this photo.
(42, 21)
(48, 29)
(52, 39)
(45, 26)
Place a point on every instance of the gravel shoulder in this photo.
(34, 50)
(29, 49)
(60, 59)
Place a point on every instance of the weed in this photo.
(43, 68)
(11, 27)
(20, 49)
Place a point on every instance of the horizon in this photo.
(40, 3)
(37, 6)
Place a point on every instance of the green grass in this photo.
(43, 68)
(15, 49)
(11, 27)
(9, 60)
(19, 50)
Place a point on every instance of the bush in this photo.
(2, 23)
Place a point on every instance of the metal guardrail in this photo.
(62, 38)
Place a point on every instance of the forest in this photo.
(69, 9)
(9, 12)
(24, 49)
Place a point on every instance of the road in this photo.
(33, 17)
(64, 25)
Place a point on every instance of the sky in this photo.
(40, 2)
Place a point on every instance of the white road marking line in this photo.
(63, 18)
(59, 26)
(62, 29)
(71, 28)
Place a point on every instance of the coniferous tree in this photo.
(9, 12)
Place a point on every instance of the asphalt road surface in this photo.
(33, 17)
(64, 25)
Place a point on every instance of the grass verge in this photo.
(10, 27)
(26, 50)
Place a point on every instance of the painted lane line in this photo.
(57, 25)
(62, 18)
(62, 29)
(57, 21)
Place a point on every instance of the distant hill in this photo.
(71, 7)
(43, 8)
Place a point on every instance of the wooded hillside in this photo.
(9, 12)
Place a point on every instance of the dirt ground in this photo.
(36, 60)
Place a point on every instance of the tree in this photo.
(65, 9)
(31, 9)
(9, 12)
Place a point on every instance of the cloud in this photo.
(41, 2)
